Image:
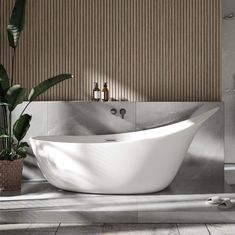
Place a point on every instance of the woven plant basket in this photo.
(11, 174)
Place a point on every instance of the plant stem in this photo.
(5, 124)
(12, 65)
(10, 112)
(9, 131)
(3, 142)
(25, 108)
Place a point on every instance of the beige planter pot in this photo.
(11, 174)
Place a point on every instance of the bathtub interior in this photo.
(202, 165)
(156, 132)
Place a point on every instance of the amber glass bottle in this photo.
(96, 92)
(105, 93)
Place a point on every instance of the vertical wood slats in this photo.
(147, 50)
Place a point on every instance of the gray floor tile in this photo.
(140, 229)
(81, 203)
(193, 229)
(90, 217)
(43, 227)
(78, 224)
(77, 230)
(112, 217)
(27, 229)
(186, 217)
(221, 229)
(26, 233)
(8, 227)
(118, 229)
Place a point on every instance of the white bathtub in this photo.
(137, 162)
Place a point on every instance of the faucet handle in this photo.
(113, 111)
(122, 112)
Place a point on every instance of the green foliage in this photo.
(16, 152)
(4, 81)
(15, 95)
(5, 154)
(21, 151)
(16, 23)
(12, 95)
(45, 85)
(21, 126)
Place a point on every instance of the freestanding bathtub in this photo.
(137, 162)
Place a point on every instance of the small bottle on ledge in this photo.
(105, 93)
(96, 92)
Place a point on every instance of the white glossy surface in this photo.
(137, 162)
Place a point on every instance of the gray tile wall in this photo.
(205, 156)
(228, 87)
(228, 79)
(87, 118)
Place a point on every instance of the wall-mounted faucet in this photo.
(113, 111)
(229, 16)
(122, 112)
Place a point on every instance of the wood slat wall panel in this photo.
(147, 50)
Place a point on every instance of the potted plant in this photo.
(14, 150)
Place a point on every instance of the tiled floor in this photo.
(118, 229)
(40, 202)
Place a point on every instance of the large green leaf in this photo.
(4, 81)
(15, 95)
(16, 22)
(21, 126)
(47, 84)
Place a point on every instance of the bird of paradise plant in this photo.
(11, 95)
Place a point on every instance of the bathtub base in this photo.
(111, 191)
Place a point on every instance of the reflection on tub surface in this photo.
(136, 162)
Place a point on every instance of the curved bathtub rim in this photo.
(194, 120)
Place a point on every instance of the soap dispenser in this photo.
(105, 93)
(96, 92)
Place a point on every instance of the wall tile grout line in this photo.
(178, 229)
(208, 229)
(57, 228)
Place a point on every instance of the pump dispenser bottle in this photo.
(105, 93)
(96, 92)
